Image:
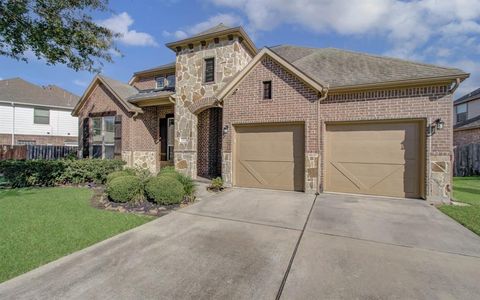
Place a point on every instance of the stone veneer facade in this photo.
(193, 95)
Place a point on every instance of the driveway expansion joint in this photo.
(390, 244)
(287, 272)
(237, 220)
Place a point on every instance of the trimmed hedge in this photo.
(24, 173)
(186, 181)
(125, 189)
(116, 174)
(165, 190)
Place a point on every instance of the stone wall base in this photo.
(440, 185)
(311, 173)
(186, 163)
(141, 159)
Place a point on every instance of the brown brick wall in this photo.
(145, 83)
(465, 137)
(139, 134)
(291, 101)
(6, 139)
(295, 102)
(209, 143)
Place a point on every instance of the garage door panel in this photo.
(270, 156)
(374, 158)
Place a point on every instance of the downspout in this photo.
(324, 95)
(13, 123)
(455, 86)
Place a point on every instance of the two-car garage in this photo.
(377, 158)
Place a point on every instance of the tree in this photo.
(58, 31)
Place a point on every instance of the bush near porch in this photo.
(465, 190)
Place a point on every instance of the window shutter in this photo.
(209, 70)
(118, 137)
(85, 138)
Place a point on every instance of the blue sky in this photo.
(444, 32)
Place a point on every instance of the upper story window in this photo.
(41, 116)
(267, 90)
(160, 80)
(209, 70)
(461, 111)
(163, 82)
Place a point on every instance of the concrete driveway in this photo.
(257, 244)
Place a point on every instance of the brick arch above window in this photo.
(203, 104)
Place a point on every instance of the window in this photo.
(461, 111)
(41, 116)
(210, 69)
(160, 82)
(267, 90)
(171, 81)
(103, 130)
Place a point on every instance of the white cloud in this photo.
(79, 82)
(121, 24)
(425, 30)
(226, 19)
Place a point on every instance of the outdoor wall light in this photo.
(225, 129)
(439, 124)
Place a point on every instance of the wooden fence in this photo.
(467, 160)
(35, 152)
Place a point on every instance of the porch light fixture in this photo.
(225, 129)
(439, 124)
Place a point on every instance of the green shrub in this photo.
(165, 190)
(186, 181)
(116, 174)
(216, 184)
(23, 173)
(125, 189)
(90, 170)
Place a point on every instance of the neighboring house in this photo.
(466, 128)
(286, 117)
(34, 115)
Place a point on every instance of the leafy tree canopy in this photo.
(58, 31)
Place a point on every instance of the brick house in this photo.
(466, 120)
(286, 117)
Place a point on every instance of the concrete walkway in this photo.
(258, 244)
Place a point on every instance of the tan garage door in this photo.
(270, 156)
(375, 158)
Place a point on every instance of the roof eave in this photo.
(239, 30)
(400, 83)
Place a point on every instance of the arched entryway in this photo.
(209, 144)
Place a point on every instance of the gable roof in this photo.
(468, 124)
(256, 60)
(345, 69)
(156, 69)
(468, 97)
(19, 91)
(120, 90)
(217, 28)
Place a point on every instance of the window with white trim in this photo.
(41, 116)
(103, 131)
(160, 81)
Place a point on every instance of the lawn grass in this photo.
(43, 224)
(466, 190)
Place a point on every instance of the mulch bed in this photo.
(100, 200)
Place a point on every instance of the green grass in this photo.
(40, 225)
(466, 190)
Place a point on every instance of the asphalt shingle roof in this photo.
(150, 94)
(468, 124)
(18, 90)
(468, 97)
(157, 68)
(338, 68)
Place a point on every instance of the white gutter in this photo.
(13, 123)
